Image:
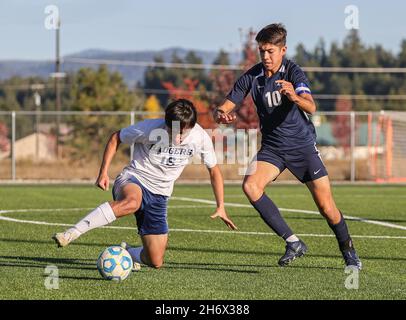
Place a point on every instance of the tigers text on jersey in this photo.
(157, 163)
(284, 126)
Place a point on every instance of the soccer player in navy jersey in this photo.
(282, 96)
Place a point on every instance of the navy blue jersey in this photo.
(284, 126)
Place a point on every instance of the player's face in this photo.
(271, 56)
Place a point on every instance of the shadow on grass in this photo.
(40, 262)
(278, 254)
(215, 266)
(226, 251)
(206, 267)
(84, 264)
(82, 278)
(380, 219)
(52, 242)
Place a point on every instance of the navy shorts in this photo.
(152, 215)
(305, 163)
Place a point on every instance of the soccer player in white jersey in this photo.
(162, 148)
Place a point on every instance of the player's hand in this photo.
(223, 118)
(287, 89)
(221, 212)
(103, 181)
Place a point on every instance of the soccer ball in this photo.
(115, 263)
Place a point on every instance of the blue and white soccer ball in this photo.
(115, 263)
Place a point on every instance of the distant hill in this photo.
(131, 74)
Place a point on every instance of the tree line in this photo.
(99, 89)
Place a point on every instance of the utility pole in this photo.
(57, 75)
(57, 88)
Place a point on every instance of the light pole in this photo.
(57, 75)
(57, 89)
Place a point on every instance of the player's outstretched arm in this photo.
(224, 113)
(217, 183)
(103, 179)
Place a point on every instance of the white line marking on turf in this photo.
(83, 209)
(379, 223)
(371, 195)
(44, 210)
(172, 230)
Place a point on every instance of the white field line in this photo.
(241, 196)
(379, 223)
(202, 231)
(184, 230)
(211, 203)
(84, 209)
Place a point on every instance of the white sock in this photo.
(292, 238)
(99, 217)
(135, 254)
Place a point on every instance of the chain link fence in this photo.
(68, 146)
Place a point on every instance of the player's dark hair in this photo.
(181, 110)
(274, 34)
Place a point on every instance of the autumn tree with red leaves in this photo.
(341, 124)
(207, 91)
(223, 82)
(247, 114)
(190, 92)
(4, 140)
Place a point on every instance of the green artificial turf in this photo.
(203, 264)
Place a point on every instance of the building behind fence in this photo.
(355, 146)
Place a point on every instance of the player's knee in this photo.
(247, 187)
(251, 189)
(155, 261)
(157, 264)
(129, 205)
(328, 209)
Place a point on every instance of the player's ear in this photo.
(283, 50)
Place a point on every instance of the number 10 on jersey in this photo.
(274, 98)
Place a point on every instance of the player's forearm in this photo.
(109, 152)
(306, 105)
(217, 184)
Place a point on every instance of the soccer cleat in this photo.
(294, 250)
(351, 259)
(62, 239)
(124, 245)
(136, 265)
(350, 255)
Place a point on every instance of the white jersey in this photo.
(156, 163)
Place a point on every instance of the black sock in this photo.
(343, 236)
(272, 217)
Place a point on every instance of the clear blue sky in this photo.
(210, 24)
